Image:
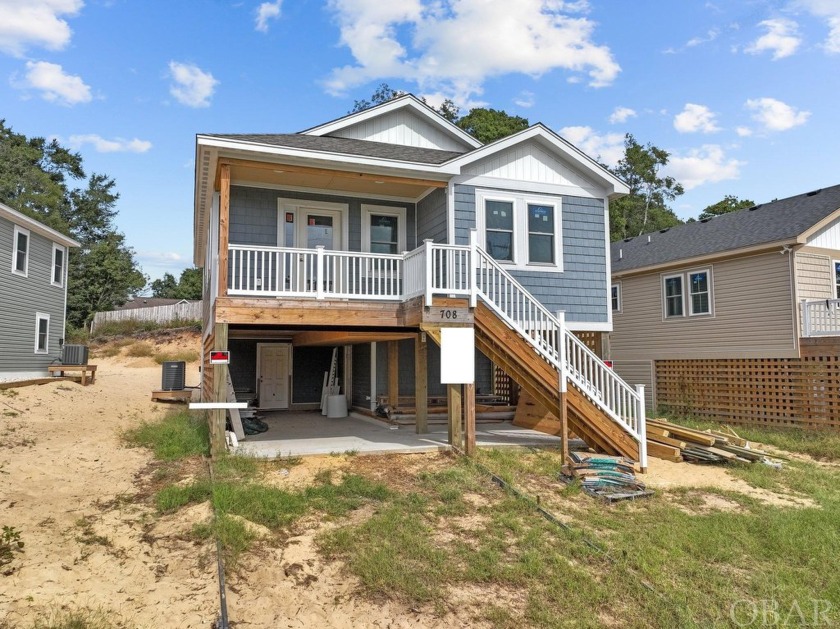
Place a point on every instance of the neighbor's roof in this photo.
(150, 302)
(774, 222)
(345, 146)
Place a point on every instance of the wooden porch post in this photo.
(469, 418)
(220, 373)
(453, 405)
(421, 383)
(224, 225)
(394, 374)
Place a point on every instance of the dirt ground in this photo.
(75, 492)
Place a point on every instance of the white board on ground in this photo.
(457, 355)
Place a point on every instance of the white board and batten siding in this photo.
(826, 238)
(405, 128)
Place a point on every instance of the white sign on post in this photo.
(457, 355)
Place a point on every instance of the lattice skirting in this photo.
(760, 391)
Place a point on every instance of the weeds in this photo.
(77, 619)
(140, 349)
(177, 436)
(88, 536)
(10, 544)
(129, 327)
(188, 356)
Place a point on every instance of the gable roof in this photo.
(407, 101)
(786, 221)
(344, 146)
(22, 220)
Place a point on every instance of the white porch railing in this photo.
(435, 269)
(820, 317)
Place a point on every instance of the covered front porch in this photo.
(310, 433)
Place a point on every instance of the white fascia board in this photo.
(432, 170)
(22, 220)
(571, 153)
(392, 105)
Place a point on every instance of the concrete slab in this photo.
(300, 434)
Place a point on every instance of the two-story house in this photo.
(33, 294)
(372, 232)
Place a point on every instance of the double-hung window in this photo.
(59, 255)
(699, 302)
(383, 229)
(20, 251)
(687, 293)
(837, 277)
(499, 229)
(674, 296)
(42, 333)
(540, 234)
(615, 297)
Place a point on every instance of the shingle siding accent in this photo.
(464, 213)
(253, 215)
(23, 297)
(431, 217)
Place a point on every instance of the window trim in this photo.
(665, 279)
(63, 250)
(20, 230)
(41, 316)
(369, 210)
(521, 232)
(689, 294)
(835, 266)
(617, 287)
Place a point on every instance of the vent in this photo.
(707, 219)
(662, 231)
(628, 239)
(74, 355)
(813, 193)
(174, 375)
(755, 207)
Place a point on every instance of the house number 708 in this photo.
(448, 314)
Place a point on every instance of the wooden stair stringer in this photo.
(515, 356)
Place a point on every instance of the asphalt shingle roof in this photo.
(346, 146)
(780, 220)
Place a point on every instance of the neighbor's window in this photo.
(674, 296)
(384, 234)
(42, 333)
(616, 297)
(499, 229)
(58, 265)
(699, 301)
(541, 233)
(20, 255)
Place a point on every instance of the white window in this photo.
(58, 265)
(673, 295)
(699, 293)
(383, 229)
(522, 231)
(615, 297)
(689, 292)
(20, 251)
(837, 277)
(42, 333)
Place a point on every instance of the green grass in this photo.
(177, 436)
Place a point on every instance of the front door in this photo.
(273, 374)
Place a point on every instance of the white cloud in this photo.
(607, 148)
(743, 132)
(28, 23)
(707, 164)
(191, 85)
(830, 11)
(55, 85)
(525, 99)
(620, 115)
(711, 35)
(781, 38)
(265, 12)
(774, 115)
(695, 118)
(457, 44)
(117, 145)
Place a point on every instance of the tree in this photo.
(38, 178)
(645, 208)
(189, 286)
(729, 203)
(489, 125)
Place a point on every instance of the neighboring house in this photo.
(134, 303)
(737, 317)
(33, 295)
(372, 231)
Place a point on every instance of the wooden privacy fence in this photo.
(803, 392)
(189, 311)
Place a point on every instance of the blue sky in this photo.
(744, 95)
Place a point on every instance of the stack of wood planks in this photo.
(611, 478)
(672, 442)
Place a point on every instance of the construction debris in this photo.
(610, 478)
(672, 442)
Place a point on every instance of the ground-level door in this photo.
(273, 371)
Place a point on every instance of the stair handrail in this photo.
(612, 390)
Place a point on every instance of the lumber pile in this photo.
(610, 478)
(672, 442)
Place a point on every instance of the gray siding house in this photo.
(33, 295)
(370, 232)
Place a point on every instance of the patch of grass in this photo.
(232, 533)
(108, 352)
(140, 349)
(188, 356)
(84, 618)
(174, 497)
(176, 436)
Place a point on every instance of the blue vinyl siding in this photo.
(431, 217)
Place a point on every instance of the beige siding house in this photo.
(718, 318)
